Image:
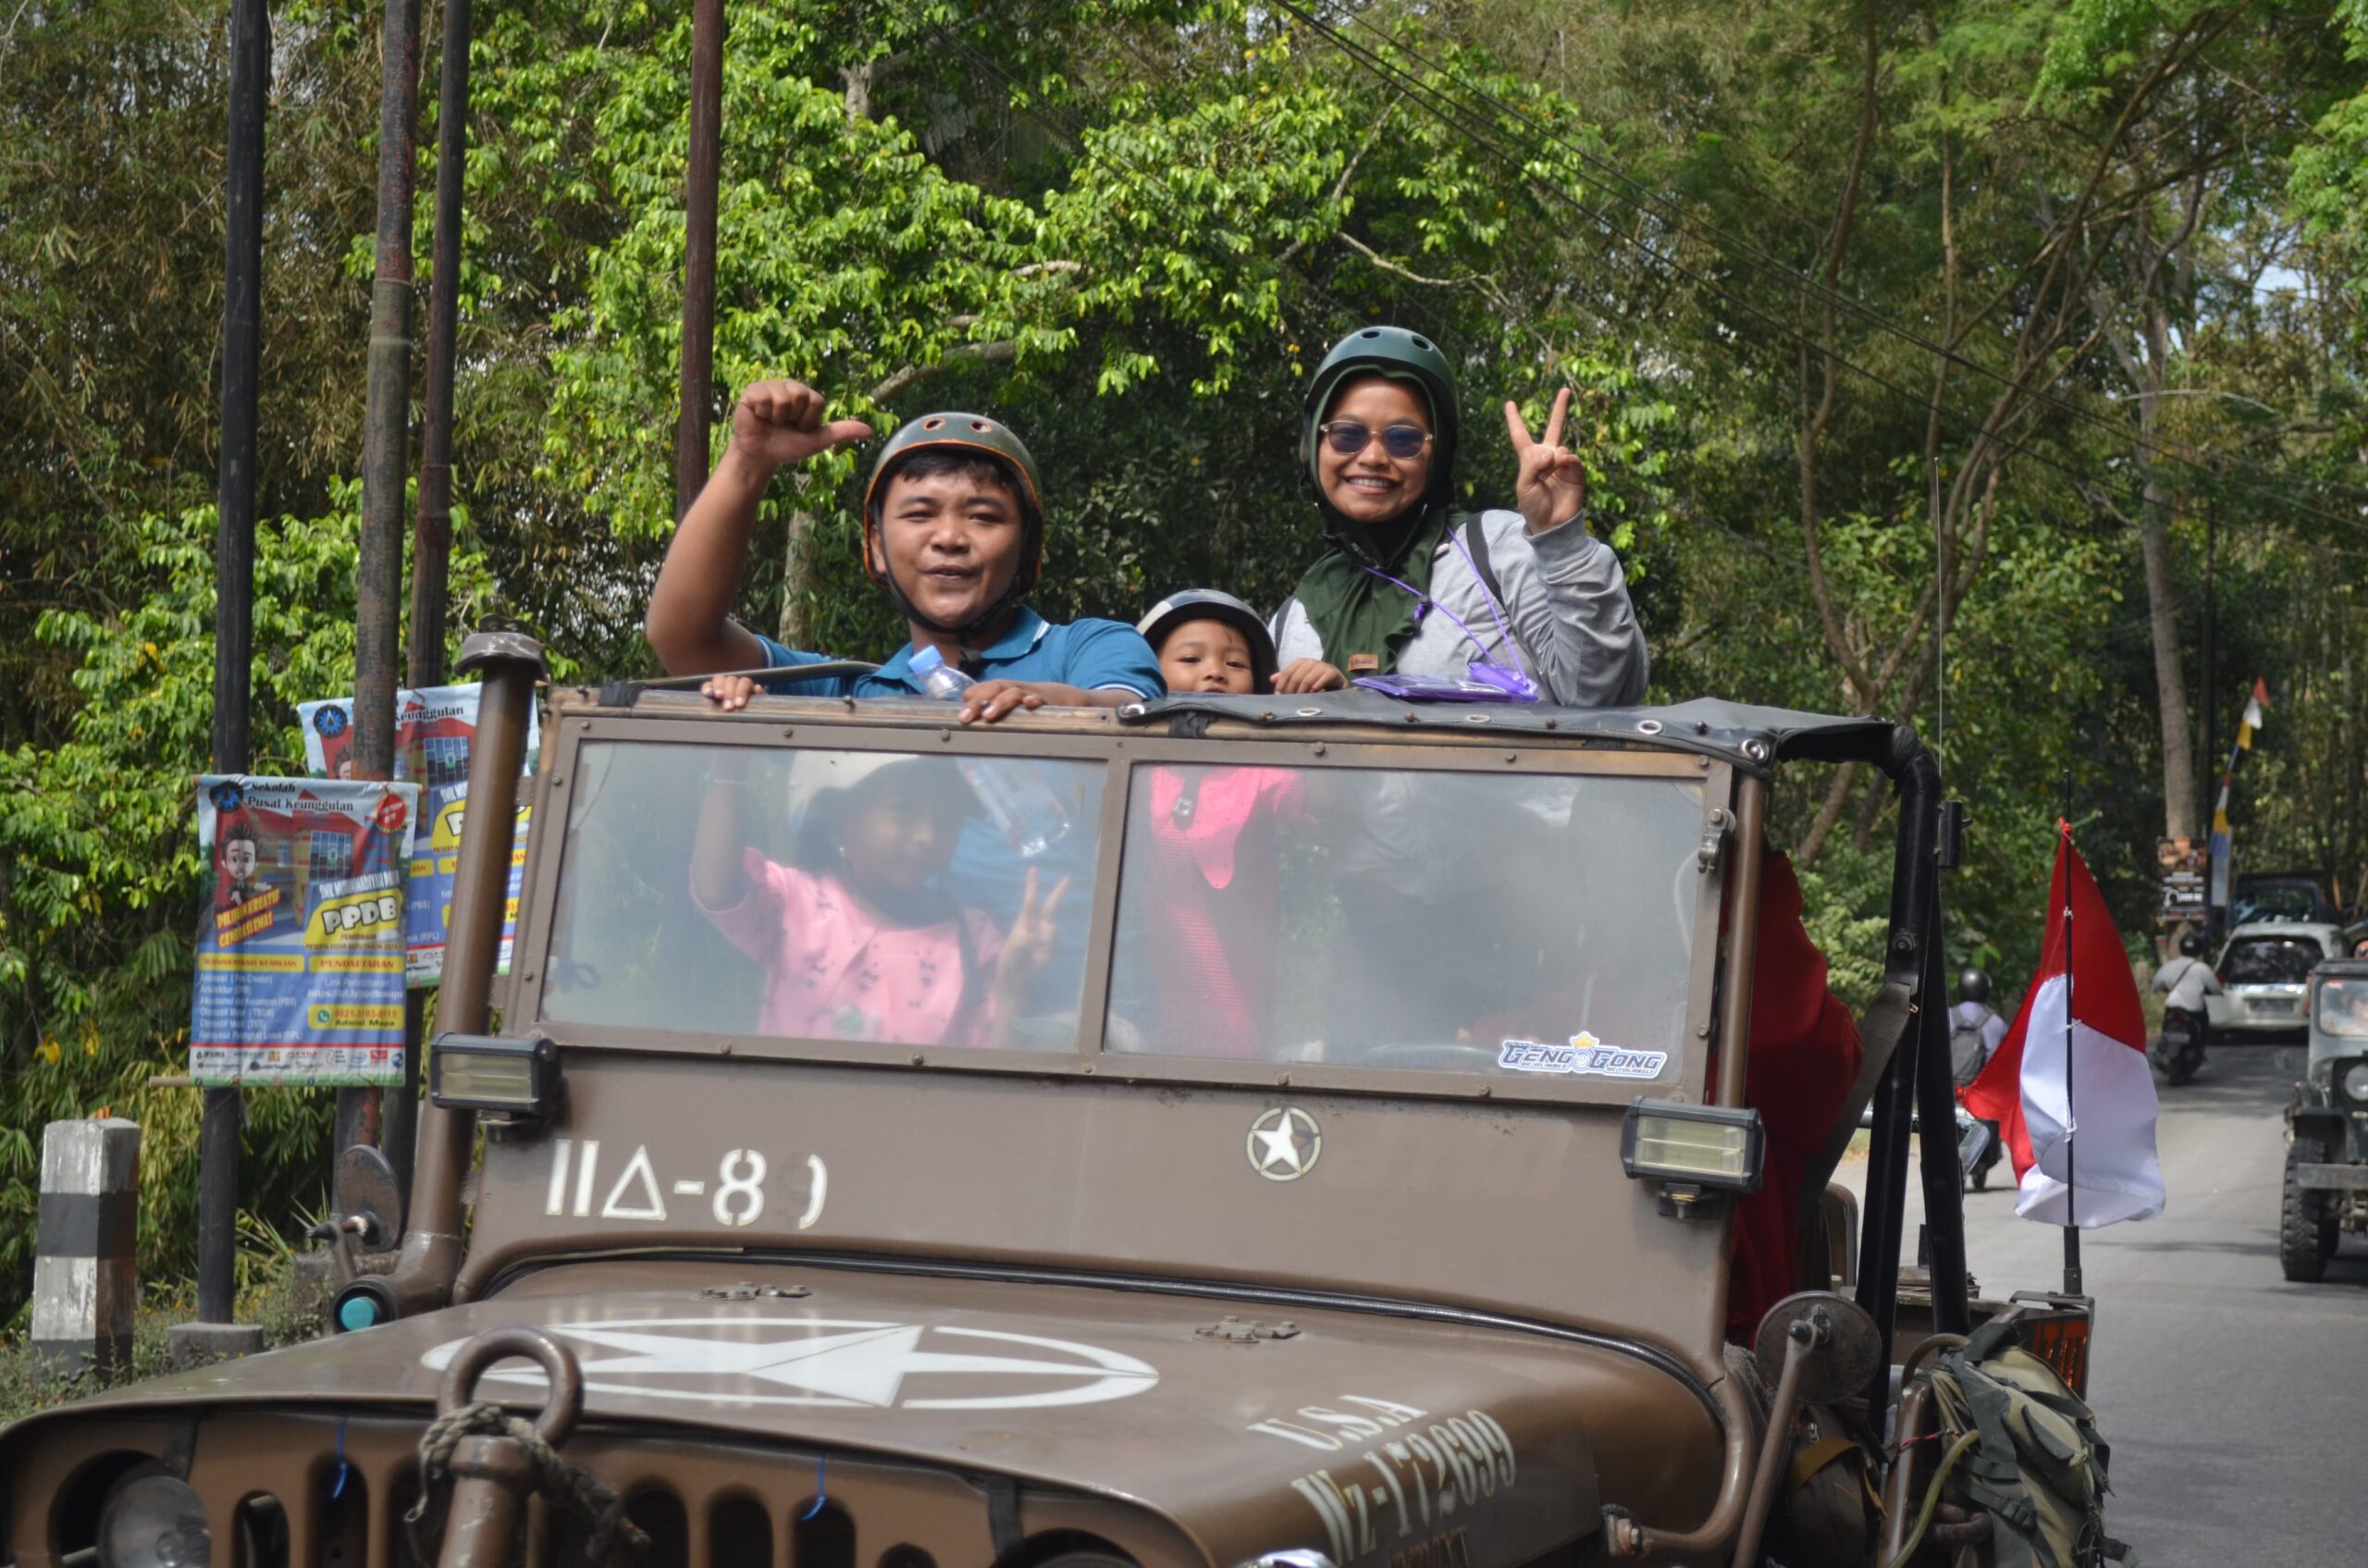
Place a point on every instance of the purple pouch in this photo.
(1517, 687)
(1435, 689)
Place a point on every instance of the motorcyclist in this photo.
(2185, 981)
(1975, 1030)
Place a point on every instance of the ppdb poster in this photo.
(300, 951)
(434, 732)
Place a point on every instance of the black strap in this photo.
(1003, 1511)
(1475, 539)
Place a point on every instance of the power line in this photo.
(1804, 282)
(2087, 481)
(1456, 119)
(1644, 202)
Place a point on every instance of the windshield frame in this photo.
(792, 723)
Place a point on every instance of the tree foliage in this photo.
(99, 846)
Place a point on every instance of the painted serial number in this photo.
(1417, 1483)
(736, 1197)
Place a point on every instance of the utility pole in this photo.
(431, 544)
(2211, 671)
(698, 252)
(214, 1335)
(386, 430)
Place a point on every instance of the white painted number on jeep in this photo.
(637, 1193)
(818, 1188)
(1320, 1426)
(730, 1186)
(1427, 1476)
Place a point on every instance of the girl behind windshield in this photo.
(1407, 584)
(857, 937)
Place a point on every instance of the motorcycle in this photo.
(1980, 1148)
(2178, 1051)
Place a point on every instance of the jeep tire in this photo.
(2306, 1222)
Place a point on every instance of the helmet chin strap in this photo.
(1005, 604)
(1357, 537)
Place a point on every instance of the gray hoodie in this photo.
(1565, 599)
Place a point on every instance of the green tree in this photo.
(99, 867)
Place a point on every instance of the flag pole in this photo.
(2071, 1120)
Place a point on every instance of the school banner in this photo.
(300, 946)
(434, 732)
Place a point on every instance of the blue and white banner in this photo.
(434, 732)
(300, 948)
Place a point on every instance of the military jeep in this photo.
(2326, 1190)
(1383, 1214)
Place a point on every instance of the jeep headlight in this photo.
(1695, 1152)
(2355, 1083)
(153, 1520)
(504, 1079)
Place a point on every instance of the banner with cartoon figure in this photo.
(434, 732)
(300, 950)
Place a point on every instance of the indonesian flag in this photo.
(2076, 1105)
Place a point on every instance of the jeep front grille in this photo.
(297, 1488)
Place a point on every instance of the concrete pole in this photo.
(699, 181)
(85, 1284)
(234, 577)
(386, 431)
(431, 545)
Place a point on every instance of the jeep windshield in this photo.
(1476, 915)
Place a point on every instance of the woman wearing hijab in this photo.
(1528, 599)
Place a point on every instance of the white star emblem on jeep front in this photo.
(1284, 1143)
(814, 1360)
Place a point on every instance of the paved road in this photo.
(2236, 1404)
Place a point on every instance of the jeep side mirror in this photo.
(368, 1201)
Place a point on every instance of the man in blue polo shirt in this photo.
(953, 530)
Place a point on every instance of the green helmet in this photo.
(1402, 356)
(977, 434)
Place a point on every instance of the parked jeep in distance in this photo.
(2325, 1190)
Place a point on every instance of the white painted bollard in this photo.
(84, 1283)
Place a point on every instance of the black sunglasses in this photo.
(1350, 436)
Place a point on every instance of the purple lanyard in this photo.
(1516, 681)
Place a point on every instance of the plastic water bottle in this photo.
(1014, 793)
(938, 678)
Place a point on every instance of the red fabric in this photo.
(1213, 968)
(1804, 1056)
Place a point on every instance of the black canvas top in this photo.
(1747, 735)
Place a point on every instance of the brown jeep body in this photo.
(975, 1307)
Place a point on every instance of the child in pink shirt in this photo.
(856, 936)
(1210, 866)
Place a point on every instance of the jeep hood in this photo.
(1190, 1407)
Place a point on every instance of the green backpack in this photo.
(2037, 1465)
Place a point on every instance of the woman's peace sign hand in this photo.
(1550, 484)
